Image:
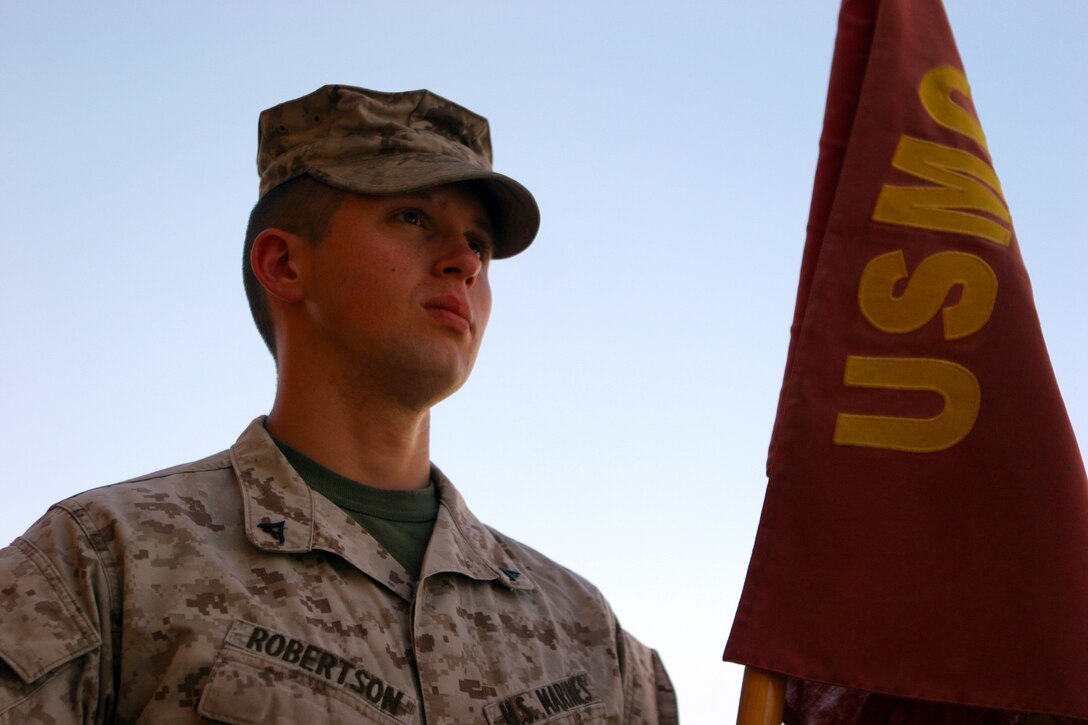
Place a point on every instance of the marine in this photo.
(323, 568)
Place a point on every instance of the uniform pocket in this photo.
(252, 684)
(571, 700)
(594, 714)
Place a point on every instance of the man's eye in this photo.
(412, 216)
(480, 248)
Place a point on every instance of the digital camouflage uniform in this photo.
(226, 590)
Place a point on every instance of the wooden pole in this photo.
(762, 697)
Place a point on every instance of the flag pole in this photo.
(762, 697)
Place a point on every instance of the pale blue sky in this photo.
(619, 415)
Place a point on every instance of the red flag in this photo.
(925, 529)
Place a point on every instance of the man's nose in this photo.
(460, 260)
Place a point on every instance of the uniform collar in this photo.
(461, 544)
(284, 515)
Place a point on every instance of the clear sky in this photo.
(619, 415)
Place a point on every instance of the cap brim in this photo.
(514, 210)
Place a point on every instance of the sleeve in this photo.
(54, 625)
(648, 694)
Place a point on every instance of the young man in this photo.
(321, 569)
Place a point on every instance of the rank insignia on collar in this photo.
(275, 530)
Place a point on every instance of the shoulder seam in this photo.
(178, 471)
(82, 518)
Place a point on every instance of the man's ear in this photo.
(277, 261)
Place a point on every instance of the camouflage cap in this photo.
(371, 142)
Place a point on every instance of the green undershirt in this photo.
(401, 521)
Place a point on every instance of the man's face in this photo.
(398, 296)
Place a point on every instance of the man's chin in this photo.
(429, 380)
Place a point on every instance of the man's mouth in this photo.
(450, 310)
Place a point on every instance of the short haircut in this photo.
(302, 206)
